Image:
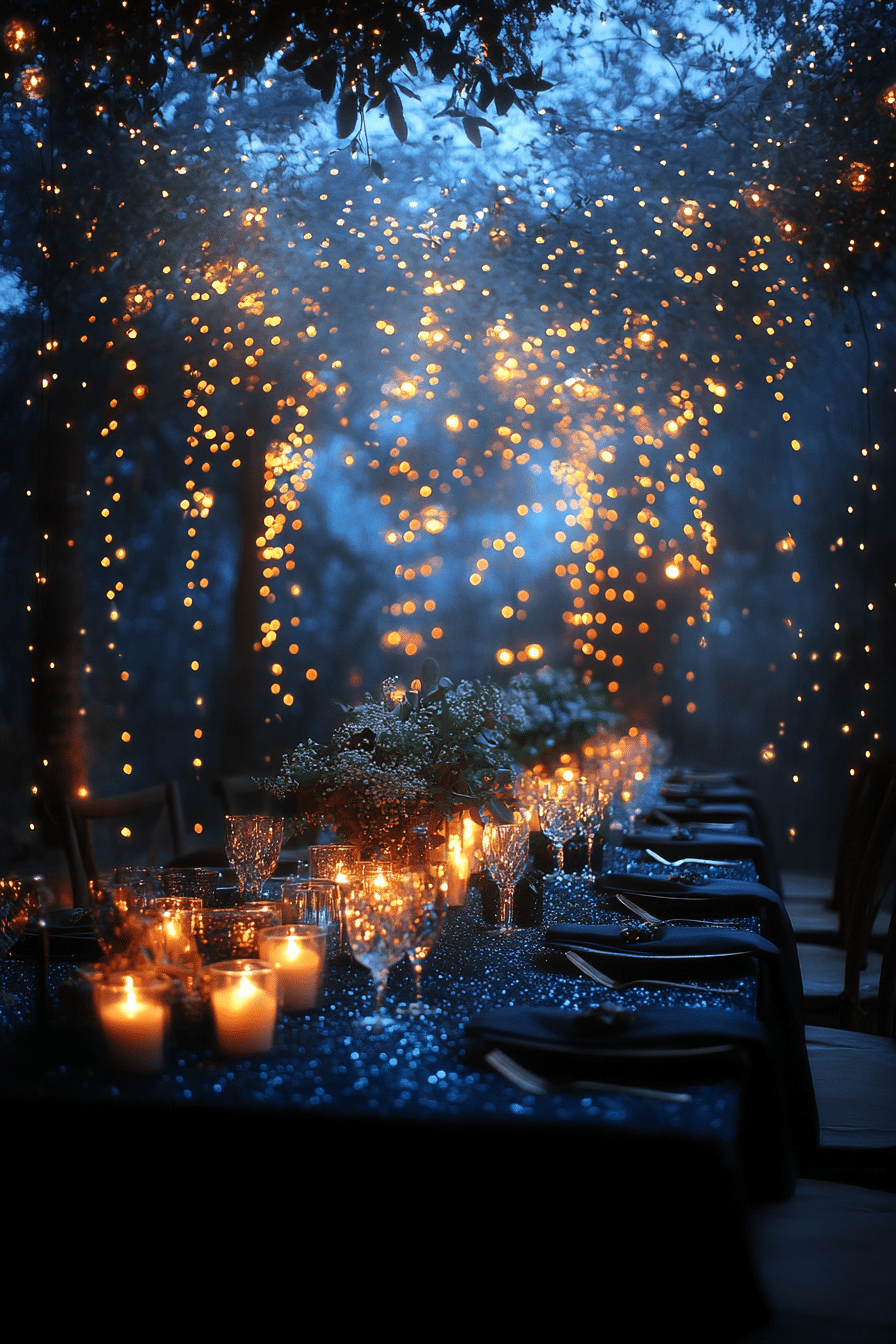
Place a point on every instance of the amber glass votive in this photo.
(298, 953)
(332, 861)
(223, 934)
(244, 1004)
(199, 883)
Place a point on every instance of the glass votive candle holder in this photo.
(224, 934)
(298, 953)
(243, 996)
(133, 1013)
(267, 912)
(199, 883)
(331, 861)
(310, 900)
(144, 883)
(190, 903)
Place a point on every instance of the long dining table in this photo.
(421, 1097)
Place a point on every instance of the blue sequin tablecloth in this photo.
(420, 1067)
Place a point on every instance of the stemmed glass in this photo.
(559, 821)
(253, 847)
(505, 848)
(590, 805)
(430, 914)
(380, 915)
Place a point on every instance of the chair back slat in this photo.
(78, 813)
(867, 893)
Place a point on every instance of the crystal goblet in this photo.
(379, 914)
(432, 902)
(505, 848)
(590, 807)
(253, 847)
(559, 822)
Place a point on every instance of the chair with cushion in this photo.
(161, 800)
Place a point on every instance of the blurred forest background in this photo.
(589, 364)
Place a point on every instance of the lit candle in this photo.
(458, 872)
(244, 1002)
(297, 953)
(472, 838)
(133, 1024)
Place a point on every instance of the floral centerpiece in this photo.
(556, 712)
(405, 761)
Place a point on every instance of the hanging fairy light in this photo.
(33, 81)
(19, 37)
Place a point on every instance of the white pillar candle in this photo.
(133, 1025)
(297, 954)
(245, 1007)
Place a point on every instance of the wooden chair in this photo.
(854, 1073)
(823, 919)
(840, 986)
(78, 813)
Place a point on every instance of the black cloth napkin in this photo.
(675, 898)
(688, 950)
(664, 1047)
(689, 953)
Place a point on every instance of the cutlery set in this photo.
(534, 1084)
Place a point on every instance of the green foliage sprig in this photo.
(405, 761)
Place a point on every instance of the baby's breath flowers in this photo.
(556, 711)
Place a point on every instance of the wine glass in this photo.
(253, 847)
(559, 821)
(431, 905)
(505, 849)
(590, 803)
(380, 915)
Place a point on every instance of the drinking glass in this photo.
(590, 804)
(253, 847)
(200, 883)
(505, 848)
(432, 903)
(380, 913)
(144, 883)
(559, 821)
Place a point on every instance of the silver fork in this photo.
(652, 919)
(531, 1082)
(677, 863)
(609, 983)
